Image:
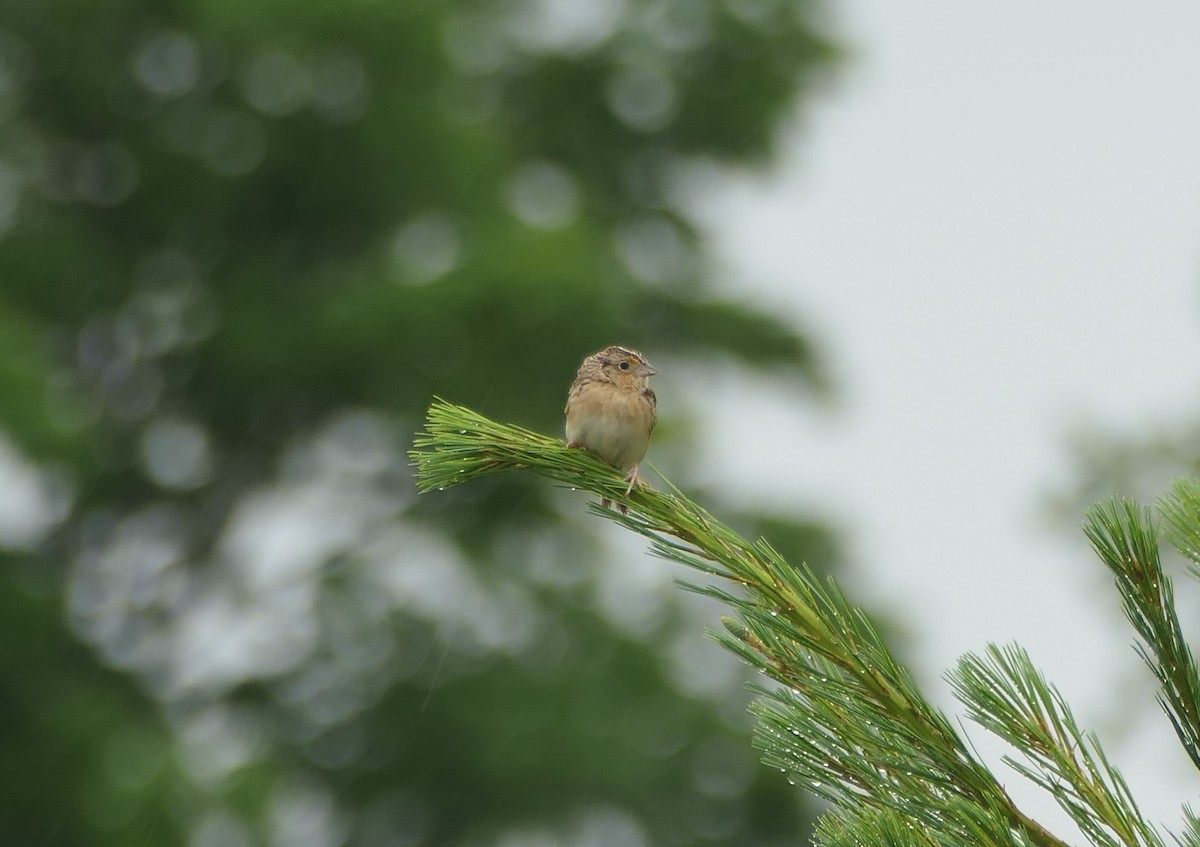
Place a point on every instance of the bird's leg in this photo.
(633, 479)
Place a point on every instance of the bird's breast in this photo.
(615, 427)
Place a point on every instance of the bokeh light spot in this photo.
(544, 196)
(701, 669)
(682, 25)
(427, 247)
(233, 143)
(105, 174)
(565, 26)
(652, 249)
(218, 740)
(134, 393)
(168, 64)
(642, 97)
(170, 308)
(471, 42)
(128, 569)
(305, 816)
(32, 500)
(175, 453)
(603, 826)
(340, 85)
(275, 83)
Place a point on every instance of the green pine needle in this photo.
(1181, 510)
(1125, 537)
(1007, 695)
(1191, 835)
(865, 827)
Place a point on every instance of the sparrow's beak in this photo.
(645, 370)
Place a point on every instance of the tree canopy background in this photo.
(242, 245)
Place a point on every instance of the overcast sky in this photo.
(991, 224)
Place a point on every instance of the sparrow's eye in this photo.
(624, 366)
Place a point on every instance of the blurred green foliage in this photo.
(241, 246)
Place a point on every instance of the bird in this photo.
(611, 410)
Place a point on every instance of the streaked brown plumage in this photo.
(611, 409)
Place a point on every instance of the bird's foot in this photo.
(634, 479)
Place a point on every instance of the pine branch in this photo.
(848, 721)
(1124, 536)
(1007, 695)
(1181, 511)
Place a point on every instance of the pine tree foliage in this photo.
(1126, 539)
(1181, 509)
(1006, 695)
(845, 719)
(1191, 835)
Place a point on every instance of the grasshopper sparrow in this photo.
(611, 409)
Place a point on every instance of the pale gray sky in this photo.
(992, 226)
